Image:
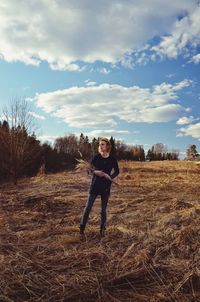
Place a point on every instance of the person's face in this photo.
(103, 146)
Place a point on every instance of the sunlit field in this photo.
(150, 252)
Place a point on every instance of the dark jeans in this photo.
(88, 207)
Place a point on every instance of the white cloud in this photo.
(106, 133)
(47, 138)
(29, 99)
(171, 75)
(186, 120)
(90, 83)
(37, 116)
(196, 59)
(102, 106)
(137, 57)
(62, 65)
(185, 35)
(64, 32)
(104, 70)
(191, 130)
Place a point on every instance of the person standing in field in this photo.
(105, 170)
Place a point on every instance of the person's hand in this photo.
(107, 176)
(99, 173)
(102, 174)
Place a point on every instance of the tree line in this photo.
(22, 154)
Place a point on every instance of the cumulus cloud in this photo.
(191, 130)
(64, 32)
(104, 105)
(185, 35)
(186, 120)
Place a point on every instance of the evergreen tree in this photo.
(85, 147)
(191, 152)
(113, 146)
(94, 146)
(150, 155)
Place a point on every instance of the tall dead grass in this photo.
(151, 251)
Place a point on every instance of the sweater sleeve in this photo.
(93, 161)
(116, 168)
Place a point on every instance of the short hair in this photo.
(107, 141)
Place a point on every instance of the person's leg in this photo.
(86, 212)
(104, 202)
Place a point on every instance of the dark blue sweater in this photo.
(101, 185)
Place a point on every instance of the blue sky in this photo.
(123, 68)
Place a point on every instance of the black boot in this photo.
(81, 232)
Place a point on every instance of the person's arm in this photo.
(102, 174)
(99, 173)
(92, 162)
(116, 169)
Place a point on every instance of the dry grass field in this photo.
(151, 251)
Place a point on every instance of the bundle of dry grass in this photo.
(84, 166)
(150, 251)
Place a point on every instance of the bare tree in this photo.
(17, 115)
(67, 144)
(159, 148)
(4, 147)
(159, 151)
(138, 152)
(20, 124)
